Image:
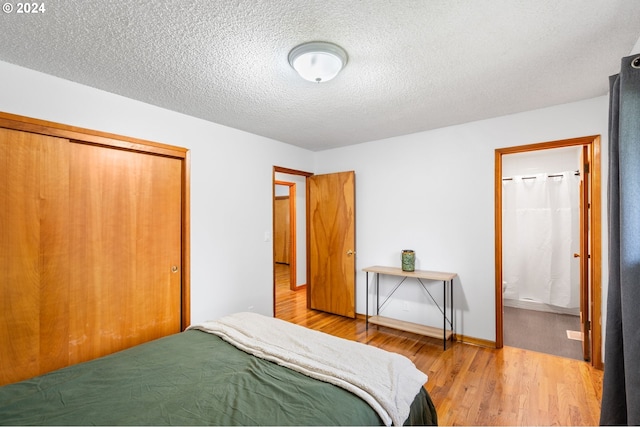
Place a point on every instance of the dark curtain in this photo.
(621, 386)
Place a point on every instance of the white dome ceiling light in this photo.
(318, 61)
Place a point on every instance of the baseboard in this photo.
(475, 341)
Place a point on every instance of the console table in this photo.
(419, 275)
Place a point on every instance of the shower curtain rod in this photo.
(556, 175)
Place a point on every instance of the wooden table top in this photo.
(420, 274)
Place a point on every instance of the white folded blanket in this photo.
(387, 381)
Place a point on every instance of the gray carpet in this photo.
(542, 332)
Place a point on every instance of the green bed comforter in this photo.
(191, 378)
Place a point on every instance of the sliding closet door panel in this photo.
(33, 254)
(125, 236)
(19, 259)
(54, 280)
(162, 237)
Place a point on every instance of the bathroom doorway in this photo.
(579, 183)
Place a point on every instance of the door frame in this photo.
(280, 169)
(595, 236)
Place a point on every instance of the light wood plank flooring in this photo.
(472, 385)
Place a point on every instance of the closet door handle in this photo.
(576, 255)
(350, 252)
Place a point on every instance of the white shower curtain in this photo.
(540, 220)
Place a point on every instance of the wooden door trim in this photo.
(290, 172)
(593, 142)
(280, 169)
(94, 137)
(585, 298)
(44, 127)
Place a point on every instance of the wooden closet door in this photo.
(125, 234)
(34, 250)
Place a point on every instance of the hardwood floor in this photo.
(472, 385)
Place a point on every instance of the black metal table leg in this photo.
(366, 309)
(377, 294)
(453, 317)
(444, 320)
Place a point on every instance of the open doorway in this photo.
(329, 246)
(585, 246)
(289, 233)
(541, 245)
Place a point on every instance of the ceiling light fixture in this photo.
(318, 61)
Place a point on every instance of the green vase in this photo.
(408, 260)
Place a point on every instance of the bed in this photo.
(243, 369)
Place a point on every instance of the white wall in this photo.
(231, 264)
(430, 191)
(433, 192)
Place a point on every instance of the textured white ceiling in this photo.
(413, 65)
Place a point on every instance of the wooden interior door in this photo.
(331, 210)
(585, 300)
(125, 231)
